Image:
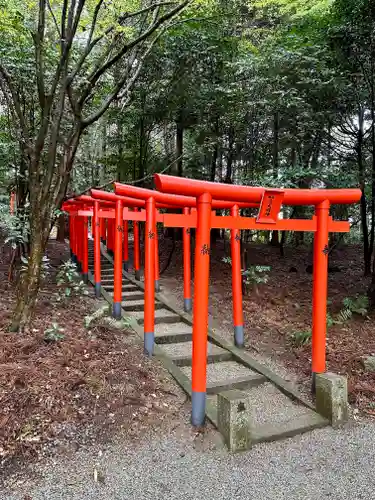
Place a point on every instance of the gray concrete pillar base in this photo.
(239, 337)
(188, 305)
(117, 310)
(234, 419)
(157, 286)
(126, 265)
(137, 275)
(332, 397)
(98, 290)
(149, 339)
(198, 408)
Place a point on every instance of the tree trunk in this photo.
(228, 176)
(361, 173)
(275, 234)
(30, 281)
(179, 146)
(61, 229)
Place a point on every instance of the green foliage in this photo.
(69, 282)
(301, 338)
(96, 316)
(256, 275)
(358, 305)
(54, 333)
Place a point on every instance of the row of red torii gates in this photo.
(111, 213)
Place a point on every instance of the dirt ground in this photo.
(87, 387)
(284, 306)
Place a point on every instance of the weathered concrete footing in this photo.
(332, 397)
(234, 419)
(198, 408)
(149, 343)
(98, 290)
(188, 305)
(239, 337)
(117, 310)
(137, 275)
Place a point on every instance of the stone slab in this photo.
(239, 383)
(224, 371)
(271, 407)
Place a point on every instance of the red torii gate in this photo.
(152, 197)
(268, 218)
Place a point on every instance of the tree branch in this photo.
(38, 41)
(94, 77)
(95, 116)
(16, 102)
(54, 19)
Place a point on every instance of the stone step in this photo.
(110, 291)
(240, 383)
(226, 371)
(109, 286)
(138, 305)
(161, 316)
(172, 333)
(274, 415)
(181, 353)
(132, 295)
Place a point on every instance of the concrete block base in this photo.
(149, 342)
(198, 408)
(332, 397)
(234, 419)
(239, 338)
(138, 275)
(188, 305)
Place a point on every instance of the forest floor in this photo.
(283, 306)
(91, 385)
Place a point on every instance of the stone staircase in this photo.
(277, 409)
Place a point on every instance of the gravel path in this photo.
(338, 465)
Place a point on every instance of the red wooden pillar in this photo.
(200, 315)
(320, 289)
(126, 245)
(97, 254)
(79, 243)
(71, 236)
(137, 259)
(235, 245)
(187, 267)
(85, 249)
(103, 230)
(117, 291)
(110, 235)
(157, 261)
(75, 239)
(150, 238)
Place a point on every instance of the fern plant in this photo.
(69, 281)
(358, 305)
(301, 338)
(97, 315)
(102, 317)
(54, 333)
